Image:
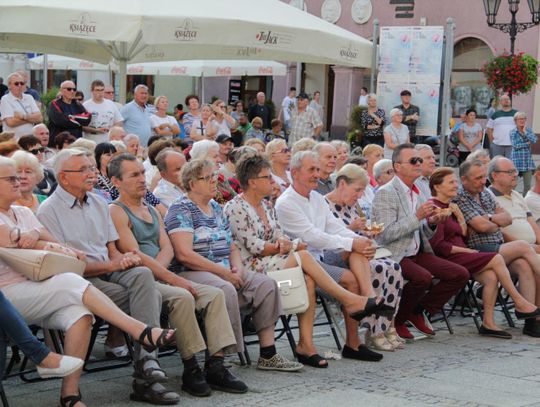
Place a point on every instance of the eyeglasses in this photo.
(509, 172)
(208, 178)
(70, 89)
(12, 179)
(285, 150)
(222, 107)
(18, 83)
(267, 177)
(413, 161)
(389, 172)
(36, 151)
(110, 92)
(86, 169)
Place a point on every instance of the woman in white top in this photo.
(163, 124)
(395, 133)
(279, 156)
(203, 129)
(222, 121)
(469, 135)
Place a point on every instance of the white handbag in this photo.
(292, 288)
(39, 265)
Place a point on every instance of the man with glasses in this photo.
(66, 113)
(104, 113)
(409, 222)
(81, 219)
(108, 94)
(428, 166)
(19, 111)
(490, 219)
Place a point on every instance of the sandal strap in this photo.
(146, 335)
(145, 374)
(70, 401)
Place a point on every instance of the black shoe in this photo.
(221, 379)
(532, 328)
(194, 382)
(374, 308)
(494, 333)
(528, 315)
(362, 353)
(153, 394)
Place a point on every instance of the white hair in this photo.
(395, 111)
(201, 148)
(85, 143)
(371, 96)
(298, 158)
(341, 144)
(7, 162)
(119, 145)
(129, 137)
(380, 167)
(319, 146)
(140, 86)
(63, 156)
(420, 147)
(13, 75)
(37, 127)
(26, 159)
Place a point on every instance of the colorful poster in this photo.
(395, 52)
(426, 53)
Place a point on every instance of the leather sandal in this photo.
(145, 393)
(147, 342)
(70, 401)
(374, 308)
(148, 374)
(312, 360)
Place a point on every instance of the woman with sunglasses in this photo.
(33, 145)
(279, 155)
(162, 123)
(222, 121)
(66, 113)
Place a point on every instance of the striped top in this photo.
(212, 236)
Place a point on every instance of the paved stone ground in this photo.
(450, 370)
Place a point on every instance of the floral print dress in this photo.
(250, 233)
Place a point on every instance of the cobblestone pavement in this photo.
(449, 370)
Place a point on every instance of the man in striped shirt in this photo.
(498, 128)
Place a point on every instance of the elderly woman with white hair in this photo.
(522, 138)
(279, 155)
(395, 133)
(133, 145)
(386, 278)
(373, 120)
(383, 171)
(343, 150)
(30, 173)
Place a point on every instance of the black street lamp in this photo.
(491, 8)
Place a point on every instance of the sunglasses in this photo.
(414, 161)
(18, 83)
(70, 89)
(36, 151)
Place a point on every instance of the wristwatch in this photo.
(490, 216)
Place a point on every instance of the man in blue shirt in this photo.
(136, 115)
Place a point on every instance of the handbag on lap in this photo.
(292, 288)
(39, 265)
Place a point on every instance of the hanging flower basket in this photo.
(511, 73)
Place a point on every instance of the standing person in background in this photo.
(498, 128)
(287, 105)
(470, 135)
(522, 137)
(162, 123)
(362, 100)
(136, 115)
(238, 110)
(18, 111)
(305, 122)
(395, 133)
(315, 104)
(108, 93)
(192, 116)
(66, 113)
(27, 88)
(259, 109)
(373, 120)
(411, 115)
(104, 114)
(222, 121)
(3, 88)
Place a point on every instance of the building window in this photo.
(469, 87)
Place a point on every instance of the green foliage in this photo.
(272, 107)
(49, 96)
(356, 131)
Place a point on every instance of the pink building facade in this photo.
(474, 43)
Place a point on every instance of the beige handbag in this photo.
(39, 265)
(292, 288)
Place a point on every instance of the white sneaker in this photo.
(68, 365)
(118, 352)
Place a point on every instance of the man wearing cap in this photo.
(305, 122)
(18, 110)
(225, 146)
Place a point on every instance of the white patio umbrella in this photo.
(208, 68)
(62, 62)
(167, 30)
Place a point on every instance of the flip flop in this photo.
(313, 360)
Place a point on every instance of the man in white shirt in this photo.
(105, 114)
(498, 128)
(303, 213)
(533, 197)
(108, 93)
(18, 111)
(288, 104)
(169, 187)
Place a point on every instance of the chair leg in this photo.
(504, 307)
(330, 321)
(447, 321)
(3, 396)
(288, 332)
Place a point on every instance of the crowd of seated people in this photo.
(191, 227)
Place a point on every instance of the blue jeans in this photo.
(12, 325)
